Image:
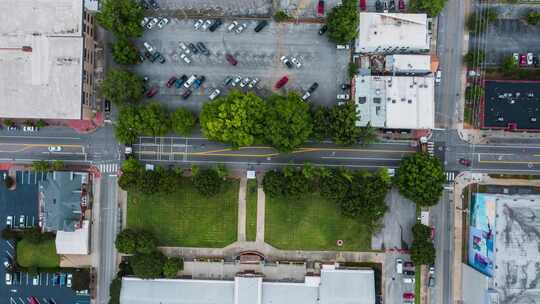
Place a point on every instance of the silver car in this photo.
(206, 24)
(253, 83)
(244, 82)
(183, 47)
(214, 94)
(198, 24)
(232, 26)
(163, 22)
(236, 80)
(185, 58)
(241, 28)
(145, 21)
(152, 22)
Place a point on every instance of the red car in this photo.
(152, 92)
(408, 296)
(282, 82)
(523, 59)
(401, 5)
(230, 58)
(171, 81)
(362, 5)
(320, 8)
(465, 162)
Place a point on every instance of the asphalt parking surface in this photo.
(258, 56)
(219, 7)
(23, 201)
(394, 287)
(308, 8)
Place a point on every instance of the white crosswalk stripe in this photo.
(108, 168)
(450, 176)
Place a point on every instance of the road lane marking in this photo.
(361, 158)
(40, 137)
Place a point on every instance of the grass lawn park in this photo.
(251, 212)
(41, 255)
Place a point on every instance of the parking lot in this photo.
(258, 56)
(218, 7)
(394, 284)
(21, 205)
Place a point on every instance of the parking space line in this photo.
(9, 254)
(21, 300)
(47, 281)
(10, 245)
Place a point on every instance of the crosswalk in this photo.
(108, 168)
(450, 176)
(431, 148)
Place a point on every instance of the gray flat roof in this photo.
(47, 81)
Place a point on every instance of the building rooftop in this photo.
(512, 102)
(45, 82)
(336, 286)
(392, 33)
(408, 64)
(395, 102)
(74, 242)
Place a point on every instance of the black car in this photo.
(107, 105)
(203, 48)
(180, 81)
(345, 86)
(215, 25)
(154, 4)
(193, 48)
(408, 272)
(323, 29)
(313, 87)
(227, 81)
(186, 94)
(392, 7)
(378, 6)
(144, 4)
(261, 25)
(160, 58)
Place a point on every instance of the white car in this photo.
(184, 47)
(253, 83)
(55, 148)
(214, 94)
(241, 28)
(22, 221)
(8, 278)
(342, 46)
(9, 221)
(163, 22)
(438, 76)
(529, 58)
(232, 26)
(343, 96)
(236, 80)
(185, 58)
(145, 21)
(306, 95)
(296, 62)
(198, 24)
(148, 47)
(244, 82)
(69, 279)
(152, 22)
(206, 24)
(35, 280)
(29, 128)
(516, 57)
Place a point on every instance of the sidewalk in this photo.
(261, 205)
(241, 233)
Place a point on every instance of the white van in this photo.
(408, 280)
(399, 266)
(190, 81)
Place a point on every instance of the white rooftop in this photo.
(408, 63)
(46, 82)
(392, 33)
(395, 102)
(75, 242)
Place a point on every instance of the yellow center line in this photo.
(509, 162)
(29, 146)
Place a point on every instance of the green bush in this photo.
(282, 16)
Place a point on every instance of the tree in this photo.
(430, 7)
(342, 22)
(132, 170)
(146, 242)
(148, 266)
(420, 178)
(126, 241)
(41, 124)
(297, 184)
(221, 171)
(422, 252)
(183, 122)
(149, 182)
(335, 185)
(274, 183)
(237, 118)
(122, 87)
(421, 232)
(114, 291)
(474, 92)
(532, 17)
(343, 124)
(128, 126)
(58, 165)
(154, 120)
(474, 58)
(40, 165)
(9, 182)
(478, 21)
(168, 181)
(367, 134)
(172, 266)
(321, 123)
(288, 122)
(281, 16)
(207, 182)
(124, 52)
(509, 65)
(352, 69)
(122, 17)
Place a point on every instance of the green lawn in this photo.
(37, 255)
(186, 218)
(312, 223)
(251, 210)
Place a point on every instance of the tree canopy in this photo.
(532, 17)
(430, 7)
(121, 17)
(321, 123)
(474, 58)
(151, 120)
(148, 266)
(126, 241)
(172, 266)
(422, 249)
(288, 121)
(207, 182)
(122, 87)
(127, 127)
(124, 52)
(342, 22)
(343, 124)
(474, 92)
(509, 65)
(420, 178)
(236, 118)
(40, 165)
(183, 121)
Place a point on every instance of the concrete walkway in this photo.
(261, 203)
(241, 234)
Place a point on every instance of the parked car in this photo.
(186, 94)
(62, 279)
(9, 221)
(8, 278)
(306, 95)
(35, 280)
(198, 24)
(286, 61)
(203, 48)
(227, 80)
(190, 81)
(362, 5)
(392, 6)
(180, 81)
(281, 82)
(160, 58)
(152, 22)
(260, 26)
(171, 81)
(214, 94)
(516, 58)
(431, 281)
(378, 6)
(185, 58)
(401, 5)
(529, 58)
(183, 47)
(217, 23)
(193, 48)
(465, 162)
(345, 86)
(33, 300)
(431, 269)
(144, 4)
(29, 129)
(232, 26)
(55, 148)
(323, 29)
(320, 8)
(408, 272)
(236, 81)
(163, 22)
(145, 21)
(313, 87)
(198, 82)
(206, 25)
(343, 46)
(22, 221)
(152, 92)
(230, 58)
(438, 76)
(154, 4)
(522, 60)
(343, 97)
(408, 280)
(399, 266)
(244, 82)
(240, 28)
(296, 62)
(408, 296)
(69, 279)
(253, 83)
